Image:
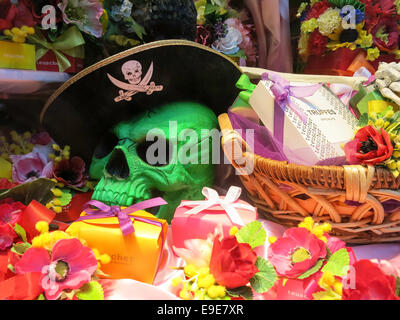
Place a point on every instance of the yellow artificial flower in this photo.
(303, 46)
(200, 8)
(309, 25)
(332, 287)
(373, 54)
(364, 39)
(301, 8)
(316, 229)
(336, 45)
(329, 21)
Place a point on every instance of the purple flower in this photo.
(85, 14)
(31, 166)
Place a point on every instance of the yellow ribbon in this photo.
(68, 43)
(378, 106)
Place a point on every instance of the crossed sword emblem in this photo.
(132, 89)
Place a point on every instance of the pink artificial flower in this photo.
(69, 266)
(31, 166)
(85, 14)
(10, 214)
(297, 251)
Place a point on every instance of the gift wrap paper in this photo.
(134, 256)
(328, 123)
(200, 225)
(17, 56)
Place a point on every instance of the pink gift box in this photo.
(197, 226)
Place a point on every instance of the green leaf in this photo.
(397, 291)
(210, 9)
(239, 54)
(66, 197)
(38, 189)
(91, 291)
(41, 297)
(20, 232)
(252, 233)
(265, 278)
(244, 292)
(313, 270)
(11, 267)
(20, 248)
(338, 263)
(363, 121)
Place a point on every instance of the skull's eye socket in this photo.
(156, 153)
(106, 145)
(129, 73)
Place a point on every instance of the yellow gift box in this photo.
(17, 56)
(135, 256)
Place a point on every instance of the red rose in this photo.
(371, 283)
(71, 172)
(232, 263)
(317, 9)
(317, 43)
(369, 147)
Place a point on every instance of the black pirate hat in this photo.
(113, 90)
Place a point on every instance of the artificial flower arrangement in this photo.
(38, 264)
(226, 30)
(57, 30)
(324, 28)
(35, 164)
(224, 268)
(305, 263)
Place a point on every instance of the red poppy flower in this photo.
(371, 283)
(232, 263)
(295, 252)
(385, 34)
(317, 43)
(369, 147)
(71, 172)
(317, 9)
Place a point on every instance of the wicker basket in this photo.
(286, 193)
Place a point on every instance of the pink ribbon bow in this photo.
(123, 215)
(229, 203)
(282, 91)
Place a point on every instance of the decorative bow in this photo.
(282, 91)
(123, 215)
(229, 203)
(69, 43)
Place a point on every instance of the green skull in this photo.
(165, 152)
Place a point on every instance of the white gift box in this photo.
(318, 136)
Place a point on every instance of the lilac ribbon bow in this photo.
(125, 223)
(282, 91)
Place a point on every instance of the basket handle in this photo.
(354, 82)
(235, 148)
